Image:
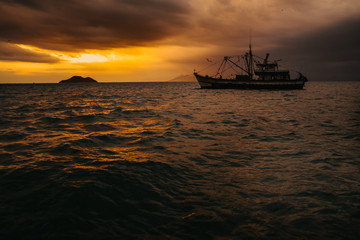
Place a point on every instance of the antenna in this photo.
(250, 37)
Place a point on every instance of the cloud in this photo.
(73, 25)
(304, 31)
(92, 24)
(338, 42)
(329, 53)
(11, 52)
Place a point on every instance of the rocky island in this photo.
(79, 79)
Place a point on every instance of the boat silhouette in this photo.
(251, 74)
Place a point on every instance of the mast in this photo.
(250, 63)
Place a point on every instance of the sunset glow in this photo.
(160, 40)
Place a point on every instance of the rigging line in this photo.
(220, 67)
(233, 68)
(211, 65)
(238, 66)
(238, 62)
(230, 67)
(223, 68)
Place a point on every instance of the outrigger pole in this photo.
(238, 66)
(223, 63)
(248, 60)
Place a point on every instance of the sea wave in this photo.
(168, 160)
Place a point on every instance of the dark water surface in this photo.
(172, 161)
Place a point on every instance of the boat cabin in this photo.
(270, 71)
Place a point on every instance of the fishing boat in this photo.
(251, 72)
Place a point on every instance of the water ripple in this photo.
(171, 161)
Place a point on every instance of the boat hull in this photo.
(216, 83)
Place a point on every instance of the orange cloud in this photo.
(160, 39)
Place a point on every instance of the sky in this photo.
(159, 40)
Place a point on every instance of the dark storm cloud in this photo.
(10, 52)
(330, 53)
(77, 24)
(339, 42)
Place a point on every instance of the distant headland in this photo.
(79, 79)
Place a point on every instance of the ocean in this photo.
(173, 161)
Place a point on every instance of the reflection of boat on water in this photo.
(251, 74)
